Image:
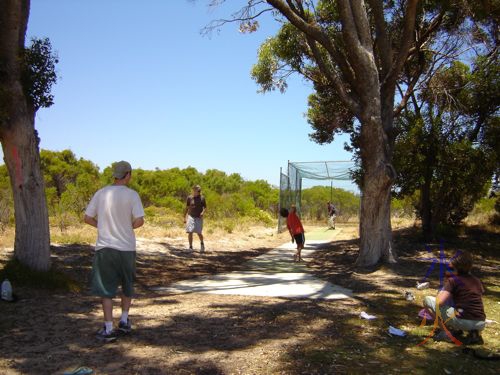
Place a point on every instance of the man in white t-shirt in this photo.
(115, 211)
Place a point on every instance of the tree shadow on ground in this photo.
(155, 268)
(417, 261)
(296, 337)
(49, 332)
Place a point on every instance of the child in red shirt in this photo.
(296, 230)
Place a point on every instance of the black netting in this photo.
(323, 170)
(285, 199)
(291, 184)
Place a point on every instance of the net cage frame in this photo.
(291, 182)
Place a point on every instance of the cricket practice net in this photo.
(291, 181)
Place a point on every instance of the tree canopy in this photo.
(370, 62)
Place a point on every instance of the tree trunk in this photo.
(375, 217)
(426, 213)
(20, 142)
(425, 200)
(365, 80)
(375, 222)
(21, 156)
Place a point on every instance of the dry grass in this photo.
(484, 220)
(402, 222)
(169, 227)
(7, 238)
(84, 234)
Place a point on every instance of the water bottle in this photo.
(6, 290)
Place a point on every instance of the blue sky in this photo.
(139, 82)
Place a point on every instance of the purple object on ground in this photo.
(425, 314)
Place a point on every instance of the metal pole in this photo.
(279, 202)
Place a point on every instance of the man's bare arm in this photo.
(138, 222)
(90, 221)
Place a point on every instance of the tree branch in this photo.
(423, 37)
(333, 77)
(360, 56)
(247, 13)
(314, 32)
(407, 41)
(383, 39)
(362, 24)
(349, 31)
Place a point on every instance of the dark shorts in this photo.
(299, 238)
(112, 268)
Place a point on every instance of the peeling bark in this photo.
(20, 142)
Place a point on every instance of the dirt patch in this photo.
(52, 332)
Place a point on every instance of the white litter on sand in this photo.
(366, 316)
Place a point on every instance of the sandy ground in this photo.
(50, 332)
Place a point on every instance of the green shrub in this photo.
(229, 225)
(162, 216)
(403, 207)
(496, 217)
(263, 217)
(484, 206)
(65, 219)
(71, 236)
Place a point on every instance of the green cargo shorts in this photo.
(112, 268)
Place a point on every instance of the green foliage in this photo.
(322, 58)
(221, 183)
(327, 115)
(162, 216)
(263, 217)
(227, 196)
(61, 169)
(485, 206)
(404, 207)
(488, 207)
(39, 74)
(162, 188)
(457, 189)
(447, 149)
(456, 173)
(70, 183)
(6, 199)
(229, 225)
(263, 195)
(264, 72)
(328, 12)
(314, 202)
(496, 217)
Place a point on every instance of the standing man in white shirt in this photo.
(115, 211)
